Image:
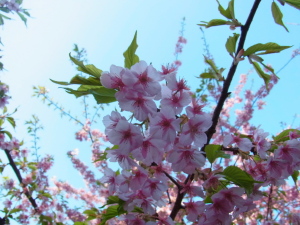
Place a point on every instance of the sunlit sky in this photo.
(33, 54)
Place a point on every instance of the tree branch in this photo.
(231, 72)
(18, 174)
(223, 97)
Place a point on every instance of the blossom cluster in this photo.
(167, 137)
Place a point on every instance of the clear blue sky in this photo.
(35, 53)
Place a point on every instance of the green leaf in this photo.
(91, 213)
(98, 90)
(114, 199)
(231, 8)
(89, 69)
(264, 76)
(1, 169)
(45, 194)
(231, 43)
(130, 57)
(240, 178)
(111, 212)
(1, 21)
(104, 100)
(76, 93)
(224, 12)
(295, 176)
(23, 18)
(294, 3)
(214, 22)
(277, 15)
(7, 133)
(284, 135)
(88, 81)
(81, 223)
(208, 200)
(217, 73)
(213, 152)
(103, 95)
(14, 211)
(11, 120)
(5, 9)
(267, 48)
(207, 76)
(60, 82)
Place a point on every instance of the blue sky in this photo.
(35, 53)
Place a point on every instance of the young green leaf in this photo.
(231, 43)
(111, 212)
(81, 80)
(207, 76)
(294, 3)
(214, 22)
(284, 135)
(231, 8)
(213, 152)
(240, 178)
(89, 69)
(60, 82)
(23, 18)
(224, 12)
(130, 57)
(277, 15)
(264, 76)
(262, 49)
(295, 176)
(11, 120)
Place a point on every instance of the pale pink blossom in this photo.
(142, 106)
(126, 135)
(186, 159)
(193, 131)
(113, 79)
(243, 143)
(165, 124)
(143, 78)
(194, 209)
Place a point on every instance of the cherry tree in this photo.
(179, 161)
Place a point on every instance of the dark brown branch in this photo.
(18, 174)
(173, 180)
(180, 196)
(269, 209)
(222, 99)
(231, 72)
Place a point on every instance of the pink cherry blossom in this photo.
(122, 158)
(193, 131)
(143, 78)
(243, 143)
(165, 124)
(176, 100)
(126, 135)
(289, 151)
(194, 209)
(261, 144)
(186, 159)
(174, 85)
(151, 150)
(111, 179)
(113, 79)
(231, 195)
(141, 105)
(110, 122)
(154, 188)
